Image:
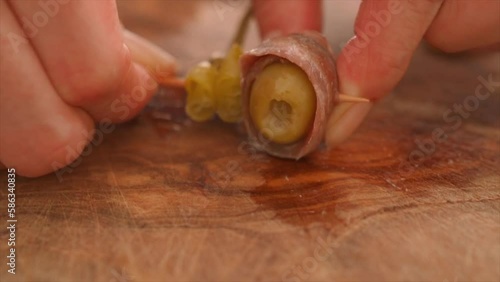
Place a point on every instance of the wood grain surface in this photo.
(165, 199)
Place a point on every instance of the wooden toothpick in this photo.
(173, 82)
(344, 98)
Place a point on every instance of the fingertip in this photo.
(346, 117)
(287, 16)
(138, 89)
(156, 60)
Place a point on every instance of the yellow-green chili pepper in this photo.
(201, 101)
(228, 88)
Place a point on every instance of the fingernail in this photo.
(158, 62)
(146, 80)
(345, 119)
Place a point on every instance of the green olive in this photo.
(200, 101)
(228, 87)
(282, 103)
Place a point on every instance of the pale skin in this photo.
(74, 82)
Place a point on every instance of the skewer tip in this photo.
(171, 82)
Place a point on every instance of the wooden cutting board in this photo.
(162, 198)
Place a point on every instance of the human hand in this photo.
(388, 33)
(66, 66)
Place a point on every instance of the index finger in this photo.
(374, 61)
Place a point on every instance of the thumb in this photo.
(387, 32)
